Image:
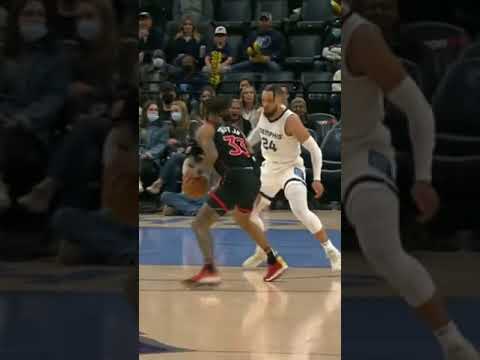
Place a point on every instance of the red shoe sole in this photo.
(276, 275)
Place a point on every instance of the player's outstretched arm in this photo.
(205, 136)
(382, 66)
(294, 127)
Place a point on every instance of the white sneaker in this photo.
(257, 259)
(464, 351)
(333, 254)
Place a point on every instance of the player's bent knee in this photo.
(296, 193)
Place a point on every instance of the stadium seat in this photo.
(332, 165)
(231, 80)
(318, 89)
(286, 77)
(456, 103)
(325, 122)
(472, 52)
(302, 50)
(236, 44)
(236, 15)
(443, 43)
(315, 14)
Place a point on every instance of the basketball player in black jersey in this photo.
(225, 149)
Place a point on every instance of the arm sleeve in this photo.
(409, 99)
(316, 154)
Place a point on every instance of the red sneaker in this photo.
(276, 270)
(206, 276)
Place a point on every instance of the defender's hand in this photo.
(426, 199)
(318, 188)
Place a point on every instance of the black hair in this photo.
(275, 89)
(217, 105)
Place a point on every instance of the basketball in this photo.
(195, 186)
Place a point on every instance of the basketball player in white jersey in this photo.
(282, 133)
(370, 72)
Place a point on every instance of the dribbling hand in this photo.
(318, 188)
(426, 199)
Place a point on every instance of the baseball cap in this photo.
(266, 15)
(220, 30)
(144, 14)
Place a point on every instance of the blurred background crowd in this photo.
(68, 135)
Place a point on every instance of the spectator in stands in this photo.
(180, 130)
(220, 45)
(152, 151)
(248, 97)
(95, 65)
(244, 83)
(33, 84)
(153, 73)
(264, 47)
(206, 93)
(190, 76)
(236, 118)
(149, 37)
(108, 234)
(198, 10)
(299, 107)
(168, 94)
(187, 42)
(335, 99)
(286, 94)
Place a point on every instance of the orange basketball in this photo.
(195, 187)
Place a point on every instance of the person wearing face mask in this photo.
(94, 65)
(156, 72)
(156, 141)
(190, 75)
(33, 83)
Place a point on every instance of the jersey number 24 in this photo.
(268, 145)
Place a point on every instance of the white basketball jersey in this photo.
(366, 142)
(278, 147)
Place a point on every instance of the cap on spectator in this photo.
(266, 16)
(167, 86)
(144, 14)
(158, 54)
(220, 30)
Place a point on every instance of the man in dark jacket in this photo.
(270, 45)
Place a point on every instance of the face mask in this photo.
(152, 116)
(158, 62)
(188, 68)
(176, 116)
(87, 29)
(33, 32)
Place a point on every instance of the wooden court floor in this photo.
(295, 318)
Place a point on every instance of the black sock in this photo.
(271, 257)
(210, 267)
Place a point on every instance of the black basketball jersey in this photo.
(232, 149)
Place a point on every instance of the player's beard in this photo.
(270, 114)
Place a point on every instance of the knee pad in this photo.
(373, 210)
(296, 194)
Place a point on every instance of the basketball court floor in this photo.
(378, 325)
(298, 317)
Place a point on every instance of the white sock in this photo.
(449, 336)
(328, 245)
